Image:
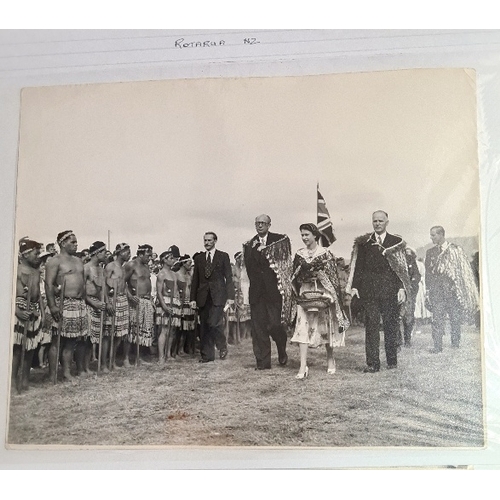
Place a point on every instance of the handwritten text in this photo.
(182, 44)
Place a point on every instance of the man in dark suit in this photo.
(450, 288)
(264, 296)
(211, 288)
(379, 277)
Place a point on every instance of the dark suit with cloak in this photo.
(378, 287)
(265, 302)
(452, 291)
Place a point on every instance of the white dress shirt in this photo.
(380, 238)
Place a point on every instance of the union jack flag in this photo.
(324, 223)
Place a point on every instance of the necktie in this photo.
(379, 241)
(208, 266)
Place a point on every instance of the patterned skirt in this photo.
(317, 329)
(48, 325)
(122, 317)
(188, 317)
(34, 332)
(146, 322)
(173, 317)
(75, 318)
(94, 322)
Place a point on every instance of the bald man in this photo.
(266, 300)
(379, 277)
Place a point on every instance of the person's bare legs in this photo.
(246, 330)
(162, 339)
(53, 356)
(16, 366)
(104, 348)
(68, 346)
(87, 356)
(171, 343)
(330, 360)
(116, 344)
(67, 357)
(303, 358)
(181, 340)
(82, 355)
(126, 352)
(41, 355)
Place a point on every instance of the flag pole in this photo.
(320, 243)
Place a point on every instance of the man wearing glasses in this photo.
(266, 292)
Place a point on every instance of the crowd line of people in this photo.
(75, 306)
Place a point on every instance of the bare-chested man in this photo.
(66, 267)
(138, 280)
(28, 283)
(168, 305)
(97, 297)
(115, 280)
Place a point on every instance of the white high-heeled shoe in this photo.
(303, 375)
(331, 371)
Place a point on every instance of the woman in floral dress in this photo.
(314, 268)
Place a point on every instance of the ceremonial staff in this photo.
(59, 325)
(137, 316)
(25, 334)
(112, 332)
(101, 327)
(182, 337)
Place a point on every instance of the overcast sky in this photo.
(162, 162)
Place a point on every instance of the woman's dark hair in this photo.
(312, 229)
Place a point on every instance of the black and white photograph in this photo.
(278, 262)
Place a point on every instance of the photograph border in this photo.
(487, 353)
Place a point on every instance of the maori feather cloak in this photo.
(453, 264)
(396, 259)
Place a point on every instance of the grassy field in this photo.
(429, 401)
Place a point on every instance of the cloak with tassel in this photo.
(396, 259)
(453, 264)
(279, 256)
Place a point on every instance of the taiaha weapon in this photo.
(59, 326)
(137, 315)
(25, 334)
(101, 328)
(112, 332)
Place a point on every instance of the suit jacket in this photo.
(435, 283)
(263, 280)
(219, 283)
(414, 274)
(373, 276)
